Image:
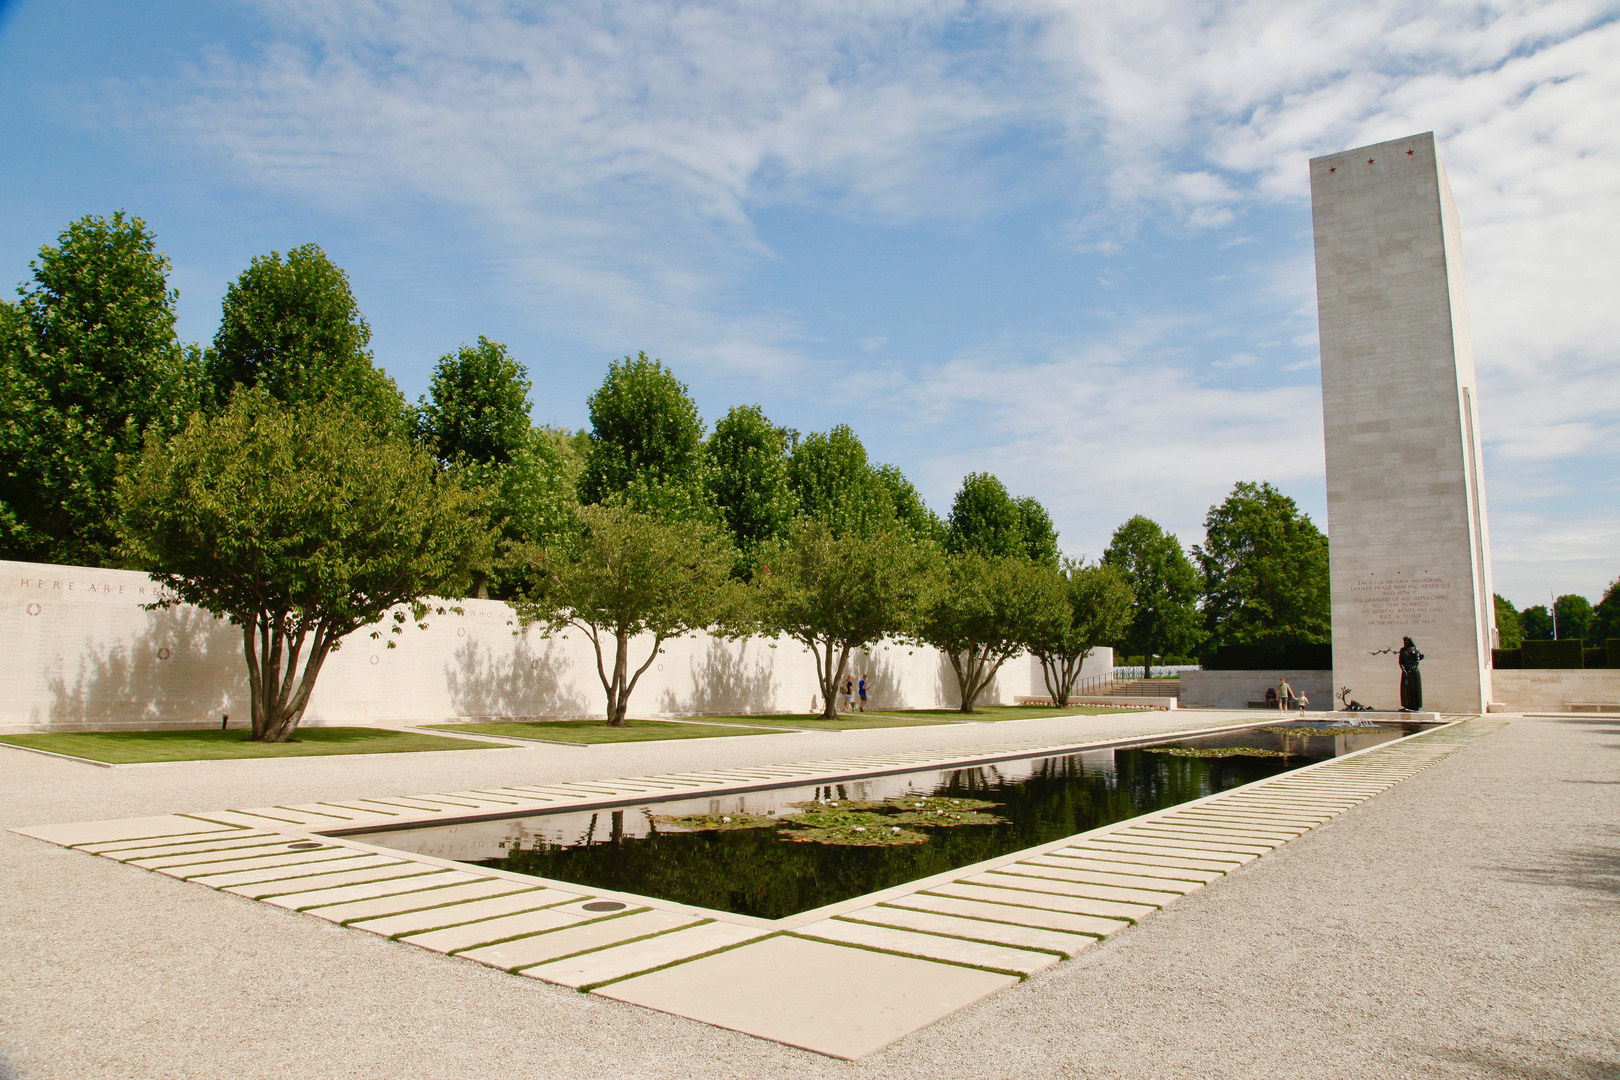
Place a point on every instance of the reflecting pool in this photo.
(764, 872)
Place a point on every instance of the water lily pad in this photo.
(715, 822)
(928, 804)
(1214, 751)
(945, 818)
(1345, 730)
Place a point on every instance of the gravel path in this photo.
(1463, 924)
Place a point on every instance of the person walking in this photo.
(849, 693)
(1285, 695)
(863, 693)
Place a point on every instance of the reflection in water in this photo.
(755, 872)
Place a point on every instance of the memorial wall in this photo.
(79, 649)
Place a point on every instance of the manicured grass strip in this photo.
(909, 717)
(591, 732)
(131, 747)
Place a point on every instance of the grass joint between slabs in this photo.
(519, 969)
(531, 933)
(803, 936)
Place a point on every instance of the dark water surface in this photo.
(755, 872)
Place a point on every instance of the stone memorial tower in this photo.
(1407, 540)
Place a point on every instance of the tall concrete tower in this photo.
(1407, 540)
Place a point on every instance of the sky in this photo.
(1064, 242)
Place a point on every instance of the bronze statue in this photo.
(1411, 678)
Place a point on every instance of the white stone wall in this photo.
(77, 650)
(1552, 690)
(1235, 689)
(1408, 542)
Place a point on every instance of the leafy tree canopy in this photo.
(1606, 615)
(291, 325)
(1094, 608)
(1165, 619)
(88, 361)
(748, 479)
(1574, 616)
(1507, 623)
(1536, 623)
(626, 574)
(835, 593)
(986, 519)
(834, 482)
(646, 442)
(985, 610)
(1265, 567)
(300, 525)
(477, 405)
(531, 499)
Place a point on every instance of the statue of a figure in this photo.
(1411, 678)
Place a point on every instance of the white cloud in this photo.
(616, 155)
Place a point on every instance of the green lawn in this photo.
(129, 747)
(597, 731)
(910, 717)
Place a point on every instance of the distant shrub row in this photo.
(1564, 653)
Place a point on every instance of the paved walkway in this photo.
(1059, 883)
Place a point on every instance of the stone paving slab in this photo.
(584, 937)
(1133, 903)
(621, 961)
(480, 932)
(1040, 898)
(1171, 877)
(329, 903)
(1125, 856)
(264, 890)
(1027, 937)
(420, 918)
(838, 1001)
(930, 946)
(372, 890)
(198, 864)
(986, 911)
(102, 832)
(1147, 834)
(1142, 846)
(1147, 887)
(334, 860)
(123, 850)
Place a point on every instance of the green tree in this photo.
(531, 499)
(1265, 567)
(1040, 535)
(985, 610)
(986, 519)
(837, 593)
(477, 405)
(291, 325)
(646, 442)
(1165, 618)
(88, 361)
(907, 506)
(834, 481)
(1606, 615)
(747, 476)
(1536, 623)
(1094, 607)
(299, 525)
(1507, 623)
(627, 574)
(1574, 616)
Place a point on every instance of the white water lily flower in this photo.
(726, 820)
(860, 828)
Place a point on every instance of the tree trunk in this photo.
(278, 691)
(829, 675)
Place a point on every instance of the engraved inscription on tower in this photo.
(1407, 539)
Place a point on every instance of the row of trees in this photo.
(278, 478)
(1571, 616)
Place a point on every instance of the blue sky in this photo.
(1068, 243)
